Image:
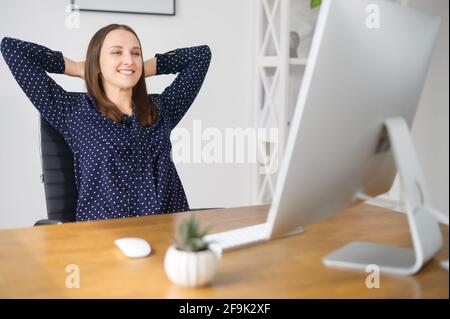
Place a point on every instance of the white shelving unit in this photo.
(277, 81)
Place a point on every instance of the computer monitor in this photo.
(367, 66)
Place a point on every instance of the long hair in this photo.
(145, 108)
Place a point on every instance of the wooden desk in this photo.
(33, 260)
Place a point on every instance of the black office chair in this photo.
(58, 177)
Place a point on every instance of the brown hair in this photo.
(145, 108)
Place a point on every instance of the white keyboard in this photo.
(239, 237)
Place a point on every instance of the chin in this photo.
(128, 85)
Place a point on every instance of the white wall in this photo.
(224, 100)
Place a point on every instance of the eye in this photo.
(116, 52)
(137, 54)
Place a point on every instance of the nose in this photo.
(127, 59)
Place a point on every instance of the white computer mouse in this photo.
(133, 247)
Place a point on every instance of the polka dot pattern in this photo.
(121, 169)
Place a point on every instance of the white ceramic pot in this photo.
(190, 269)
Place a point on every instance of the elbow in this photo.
(207, 52)
(6, 42)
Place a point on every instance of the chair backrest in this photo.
(57, 174)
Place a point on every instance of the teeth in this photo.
(125, 72)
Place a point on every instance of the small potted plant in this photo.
(189, 262)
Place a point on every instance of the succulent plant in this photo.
(188, 235)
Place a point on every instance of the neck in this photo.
(121, 97)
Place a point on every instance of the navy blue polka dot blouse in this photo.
(121, 170)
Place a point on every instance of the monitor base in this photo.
(423, 226)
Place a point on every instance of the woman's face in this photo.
(120, 59)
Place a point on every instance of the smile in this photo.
(126, 72)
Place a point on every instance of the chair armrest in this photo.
(47, 222)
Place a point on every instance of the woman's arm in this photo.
(192, 63)
(29, 63)
(150, 67)
(73, 68)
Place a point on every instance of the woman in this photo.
(119, 135)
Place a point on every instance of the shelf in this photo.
(298, 61)
(278, 77)
(272, 61)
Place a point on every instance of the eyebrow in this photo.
(121, 47)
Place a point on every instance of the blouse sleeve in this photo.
(193, 64)
(29, 63)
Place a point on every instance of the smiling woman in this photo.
(114, 74)
(119, 135)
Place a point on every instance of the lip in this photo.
(126, 72)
